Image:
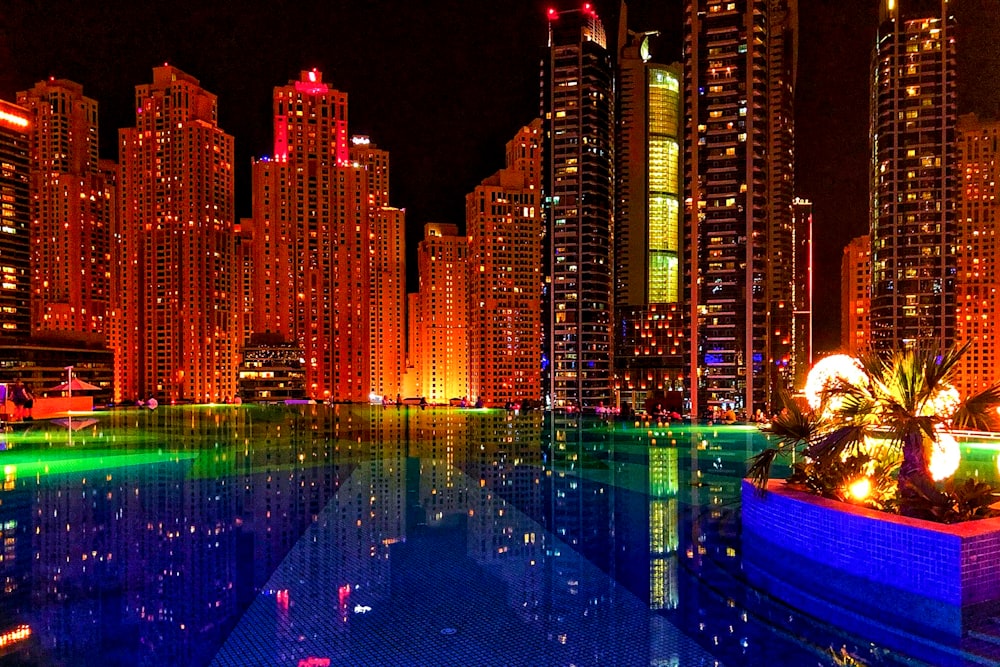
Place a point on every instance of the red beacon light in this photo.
(552, 13)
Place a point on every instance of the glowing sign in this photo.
(13, 120)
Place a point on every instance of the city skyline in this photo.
(444, 119)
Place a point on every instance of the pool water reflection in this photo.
(381, 536)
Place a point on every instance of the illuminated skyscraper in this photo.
(440, 341)
(387, 283)
(802, 292)
(15, 248)
(178, 326)
(577, 107)
(913, 183)
(739, 182)
(503, 219)
(855, 296)
(649, 350)
(978, 253)
(311, 240)
(71, 213)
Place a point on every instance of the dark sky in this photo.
(443, 84)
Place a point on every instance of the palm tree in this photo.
(901, 401)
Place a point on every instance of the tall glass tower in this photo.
(913, 182)
(577, 108)
(739, 88)
(649, 190)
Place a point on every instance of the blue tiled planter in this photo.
(918, 575)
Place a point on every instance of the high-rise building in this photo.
(71, 211)
(577, 107)
(978, 253)
(387, 271)
(739, 88)
(913, 181)
(15, 246)
(178, 332)
(855, 296)
(503, 220)
(311, 240)
(649, 331)
(802, 292)
(439, 349)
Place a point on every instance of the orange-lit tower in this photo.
(503, 218)
(978, 251)
(855, 296)
(311, 245)
(387, 260)
(440, 348)
(15, 294)
(176, 331)
(71, 211)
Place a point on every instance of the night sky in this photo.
(443, 84)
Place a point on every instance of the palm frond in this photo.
(979, 411)
(846, 439)
(793, 425)
(759, 468)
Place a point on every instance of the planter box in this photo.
(915, 575)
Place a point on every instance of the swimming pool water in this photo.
(362, 535)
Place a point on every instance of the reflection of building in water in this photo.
(663, 538)
(288, 473)
(79, 545)
(504, 466)
(580, 502)
(438, 439)
(15, 553)
(179, 528)
(367, 514)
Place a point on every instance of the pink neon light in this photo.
(311, 88)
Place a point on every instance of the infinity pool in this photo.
(355, 535)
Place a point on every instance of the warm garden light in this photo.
(860, 489)
(945, 456)
(828, 373)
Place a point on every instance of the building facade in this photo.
(503, 220)
(577, 101)
(15, 218)
(439, 349)
(801, 358)
(311, 240)
(976, 305)
(913, 179)
(387, 271)
(739, 87)
(71, 211)
(649, 189)
(855, 296)
(176, 336)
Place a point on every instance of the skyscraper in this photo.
(913, 180)
(577, 108)
(802, 292)
(387, 271)
(440, 349)
(739, 182)
(649, 331)
(177, 314)
(15, 247)
(311, 240)
(978, 253)
(855, 296)
(71, 213)
(503, 220)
